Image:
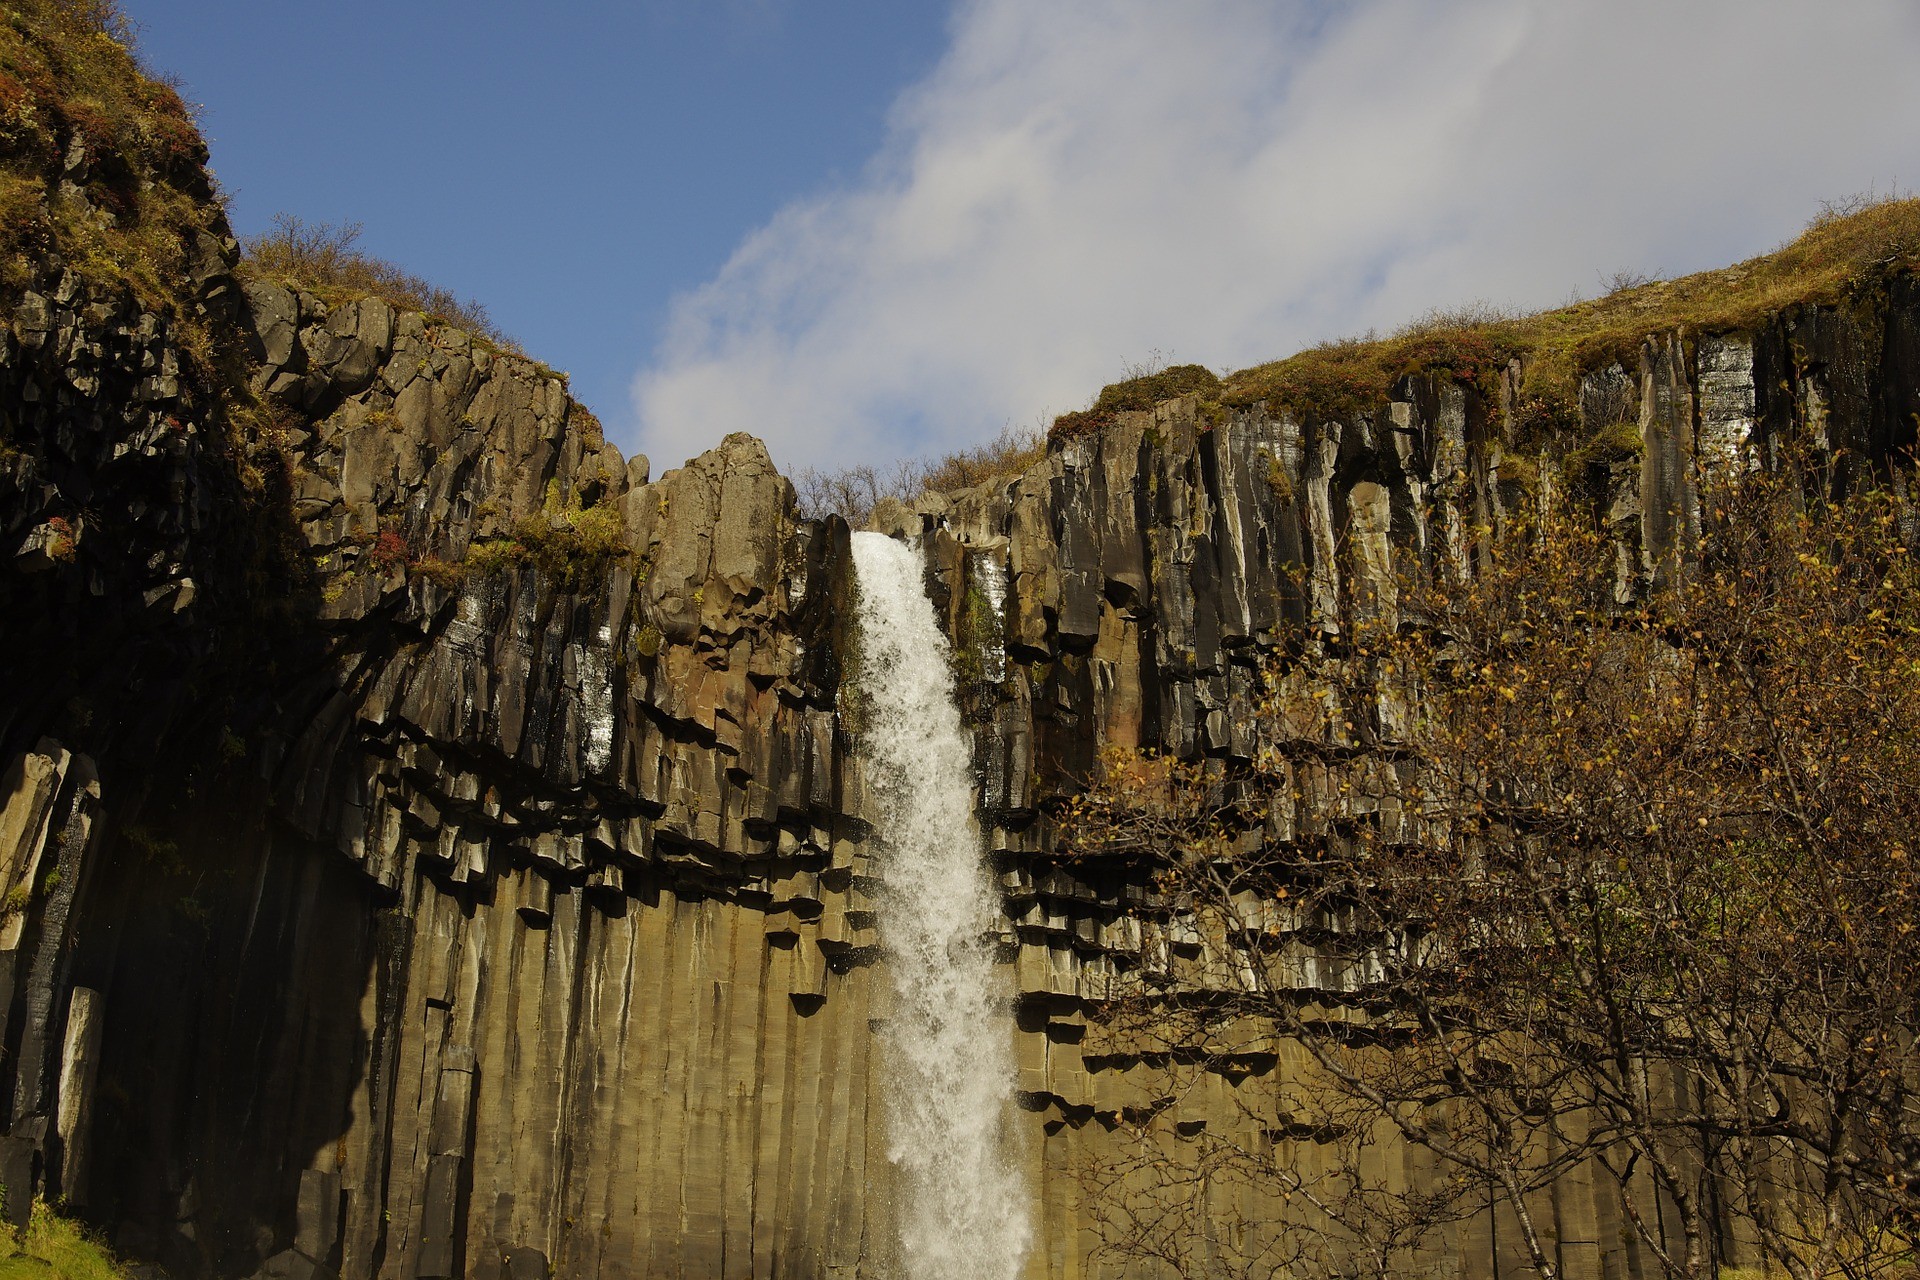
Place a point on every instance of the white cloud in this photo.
(1077, 184)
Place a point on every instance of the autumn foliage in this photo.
(1623, 891)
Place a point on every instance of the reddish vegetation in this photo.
(390, 550)
(13, 95)
(91, 126)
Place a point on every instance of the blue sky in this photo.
(571, 165)
(864, 229)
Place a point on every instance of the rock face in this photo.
(432, 846)
(504, 932)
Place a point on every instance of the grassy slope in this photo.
(1838, 256)
(54, 1248)
(100, 164)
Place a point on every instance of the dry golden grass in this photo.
(1851, 247)
(1847, 249)
(327, 260)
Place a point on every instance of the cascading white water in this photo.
(960, 1200)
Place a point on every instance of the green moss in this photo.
(563, 539)
(978, 626)
(649, 640)
(441, 572)
(1519, 471)
(495, 555)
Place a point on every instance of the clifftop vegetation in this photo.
(1851, 249)
(1142, 390)
(1852, 246)
(327, 260)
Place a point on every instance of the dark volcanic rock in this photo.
(433, 846)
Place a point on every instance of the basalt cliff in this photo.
(434, 845)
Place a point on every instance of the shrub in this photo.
(853, 492)
(563, 539)
(1007, 454)
(1624, 838)
(92, 127)
(94, 17)
(390, 550)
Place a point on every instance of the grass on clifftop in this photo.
(327, 260)
(54, 1248)
(1842, 251)
(1141, 391)
(103, 164)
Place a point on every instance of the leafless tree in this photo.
(1545, 887)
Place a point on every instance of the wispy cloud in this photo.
(1077, 184)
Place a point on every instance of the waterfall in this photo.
(960, 1199)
